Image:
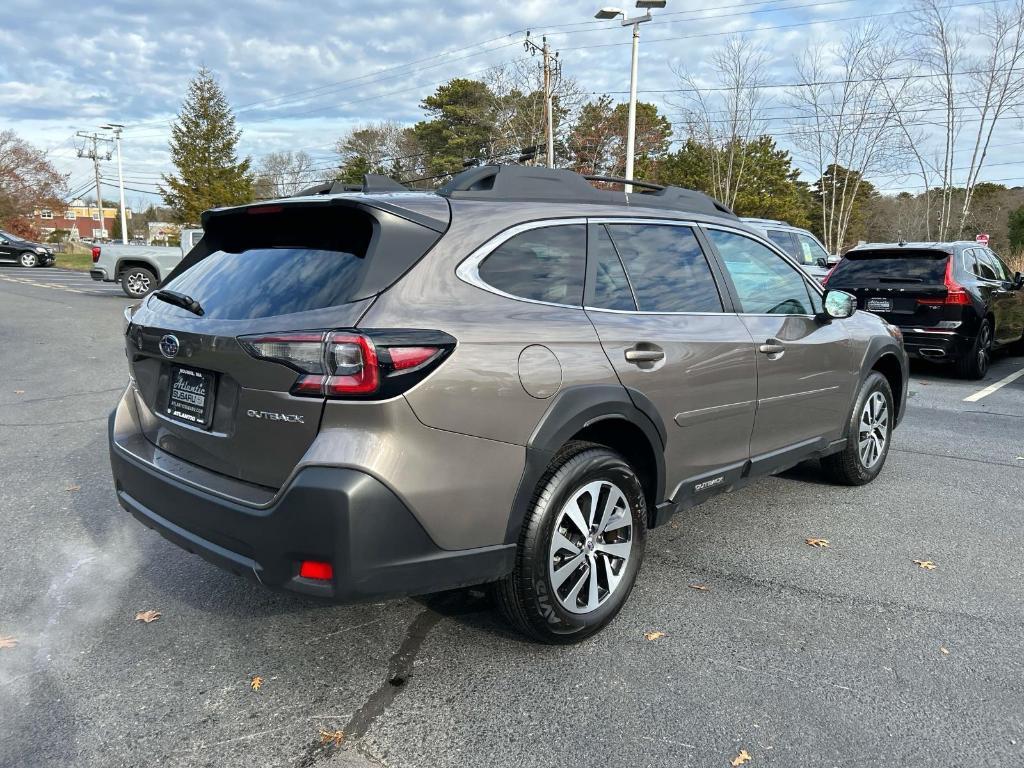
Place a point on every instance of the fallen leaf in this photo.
(19, 391)
(927, 565)
(73, 487)
(701, 587)
(338, 737)
(654, 635)
(740, 759)
(256, 683)
(147, 616)
(819, 543)
(944, 649)
(7, 641)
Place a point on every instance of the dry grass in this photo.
(1015, 261)
(76, 257)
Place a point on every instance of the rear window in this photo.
(881, 266)
(281, 260)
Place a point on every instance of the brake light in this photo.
(955, 293)
(341, 364)
(315, 569)
(96, 250)
(828, 274)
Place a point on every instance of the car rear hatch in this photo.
(903, 285)
(294, 270)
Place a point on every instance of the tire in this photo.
(873, 415)
(974, 364)
(138, 282)
(28, 259)
(581, 477)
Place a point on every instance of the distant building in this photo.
(163, 233)
(80, 219)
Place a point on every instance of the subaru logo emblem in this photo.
(169, 346)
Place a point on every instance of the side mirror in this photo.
(823, 262)
(1018, 280)
(839, 304)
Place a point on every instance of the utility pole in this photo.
(551, 68)
(117, 128)
(94, 154)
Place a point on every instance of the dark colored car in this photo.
(24, 252)
(955, 302)
(358, 395)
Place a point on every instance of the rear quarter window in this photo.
(545, 264)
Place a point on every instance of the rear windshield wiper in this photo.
(180, 300)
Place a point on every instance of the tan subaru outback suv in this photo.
(508, 381)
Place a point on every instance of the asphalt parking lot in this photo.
(845, 656)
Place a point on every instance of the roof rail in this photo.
(534, 183)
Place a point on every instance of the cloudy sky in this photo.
(300, 74)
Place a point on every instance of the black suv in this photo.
(954, 302)
(25, 252)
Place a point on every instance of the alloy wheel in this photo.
(28, 259)
(138, 284)
(590, 546)
(874, 429)
(984, 348)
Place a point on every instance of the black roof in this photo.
(520, 183)
(534, 183)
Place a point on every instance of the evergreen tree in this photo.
(1017, 228)
(203, 147)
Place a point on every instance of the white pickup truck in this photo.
(140, 268)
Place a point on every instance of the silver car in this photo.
(800, 244)
(509, 381)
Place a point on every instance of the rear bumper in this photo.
(935, 345)
(343, 516)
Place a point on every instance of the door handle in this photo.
(772, 347)
(635, 355)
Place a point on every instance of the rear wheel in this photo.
(137, 282)
(870, 431)
(580, 548)
(28, 259)
(975, 361)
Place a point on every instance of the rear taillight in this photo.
(96, 250)
(955, 293)
(344, 364)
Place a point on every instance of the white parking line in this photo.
(994, 387)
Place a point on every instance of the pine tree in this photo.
(203, 148)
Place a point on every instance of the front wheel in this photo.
(580, 548)
(28, 259)
(869, 434)
(137, 282)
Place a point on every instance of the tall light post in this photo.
(635, 22)
(117, 128)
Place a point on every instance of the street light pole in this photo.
(631, 127)
(612, 13)
(117, 128)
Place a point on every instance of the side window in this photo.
(611, 288)
(766, 284)
(786, 241)
(811, 250)
(544, 264)
(666, 267)
(1001, 270)
(985, 268)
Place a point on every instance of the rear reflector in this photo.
(315, 569)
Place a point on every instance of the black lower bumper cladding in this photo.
(376, 546)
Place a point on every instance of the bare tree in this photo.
(28, 181)
(726, 116)
(282, 174)
(848, 125)
(385, 147)
(971, 84)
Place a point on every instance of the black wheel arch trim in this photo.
(572, 410)
(127, 262)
